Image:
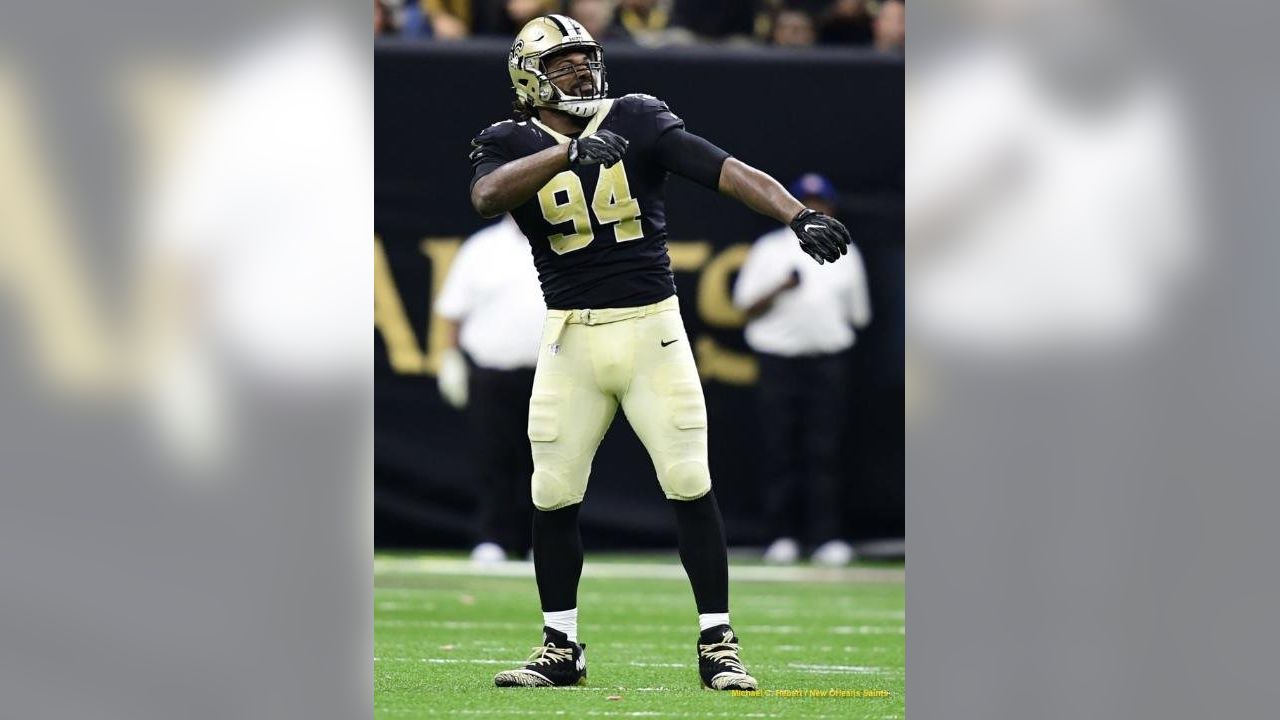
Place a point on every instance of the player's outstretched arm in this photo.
(824, 238)
(758, 191)
(513, 183)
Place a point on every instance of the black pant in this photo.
(498, 408)
(802, 406)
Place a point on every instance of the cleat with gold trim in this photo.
(718, 662)
(557, 662)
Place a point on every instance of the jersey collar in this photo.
(605, 106)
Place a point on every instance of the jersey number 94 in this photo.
(562, 200)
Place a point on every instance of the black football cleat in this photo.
(557, 662)
(718, 661)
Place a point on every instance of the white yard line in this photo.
(604, 713)
(450, 661)
(819, 669)
(854, 669)
(639, 571)
(886, 629)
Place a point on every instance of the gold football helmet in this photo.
(545, 36)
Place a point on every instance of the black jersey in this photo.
(599, 235)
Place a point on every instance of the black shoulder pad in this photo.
(494, 132)
(644, 103)
(490, 141)
(654, 112)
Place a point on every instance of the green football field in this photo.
(822, 643)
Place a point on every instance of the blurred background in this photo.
(658, 23)
(187, 385)
(793, 88)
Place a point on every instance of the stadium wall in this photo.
(431, 99)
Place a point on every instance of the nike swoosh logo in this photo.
(668, 342)
(811, 225)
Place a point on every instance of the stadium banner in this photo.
(431, 99)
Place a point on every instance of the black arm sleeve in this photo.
(691, 156)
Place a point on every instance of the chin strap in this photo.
(567, 106)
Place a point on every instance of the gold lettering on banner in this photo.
(441, 251)
(688, 255)
(41, 268)
(724, 365)
(715, 308)
(390, 319)
(715, 295)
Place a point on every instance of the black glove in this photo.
(822, 236)
(599, 148)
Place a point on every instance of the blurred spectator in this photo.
(800, 323)
(384, 21)
(420, 18)
(715, 19)
(598, 17)
(447, 18)
(846, 22)
(492, 307)
(646, 21)
(506, 17)
(793, 27)
(891, 27)
(410, 18)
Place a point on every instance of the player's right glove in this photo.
(823, 237)
(599, 148)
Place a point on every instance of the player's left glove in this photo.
(602, 147)
(823, 237)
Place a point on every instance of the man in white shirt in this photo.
(800, 322)
(492, 306)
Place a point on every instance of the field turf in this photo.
(442, 630)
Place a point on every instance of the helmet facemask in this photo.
(550, 96)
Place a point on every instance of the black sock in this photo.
(557, 557)
(702, 551)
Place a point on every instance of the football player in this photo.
(583, 175)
